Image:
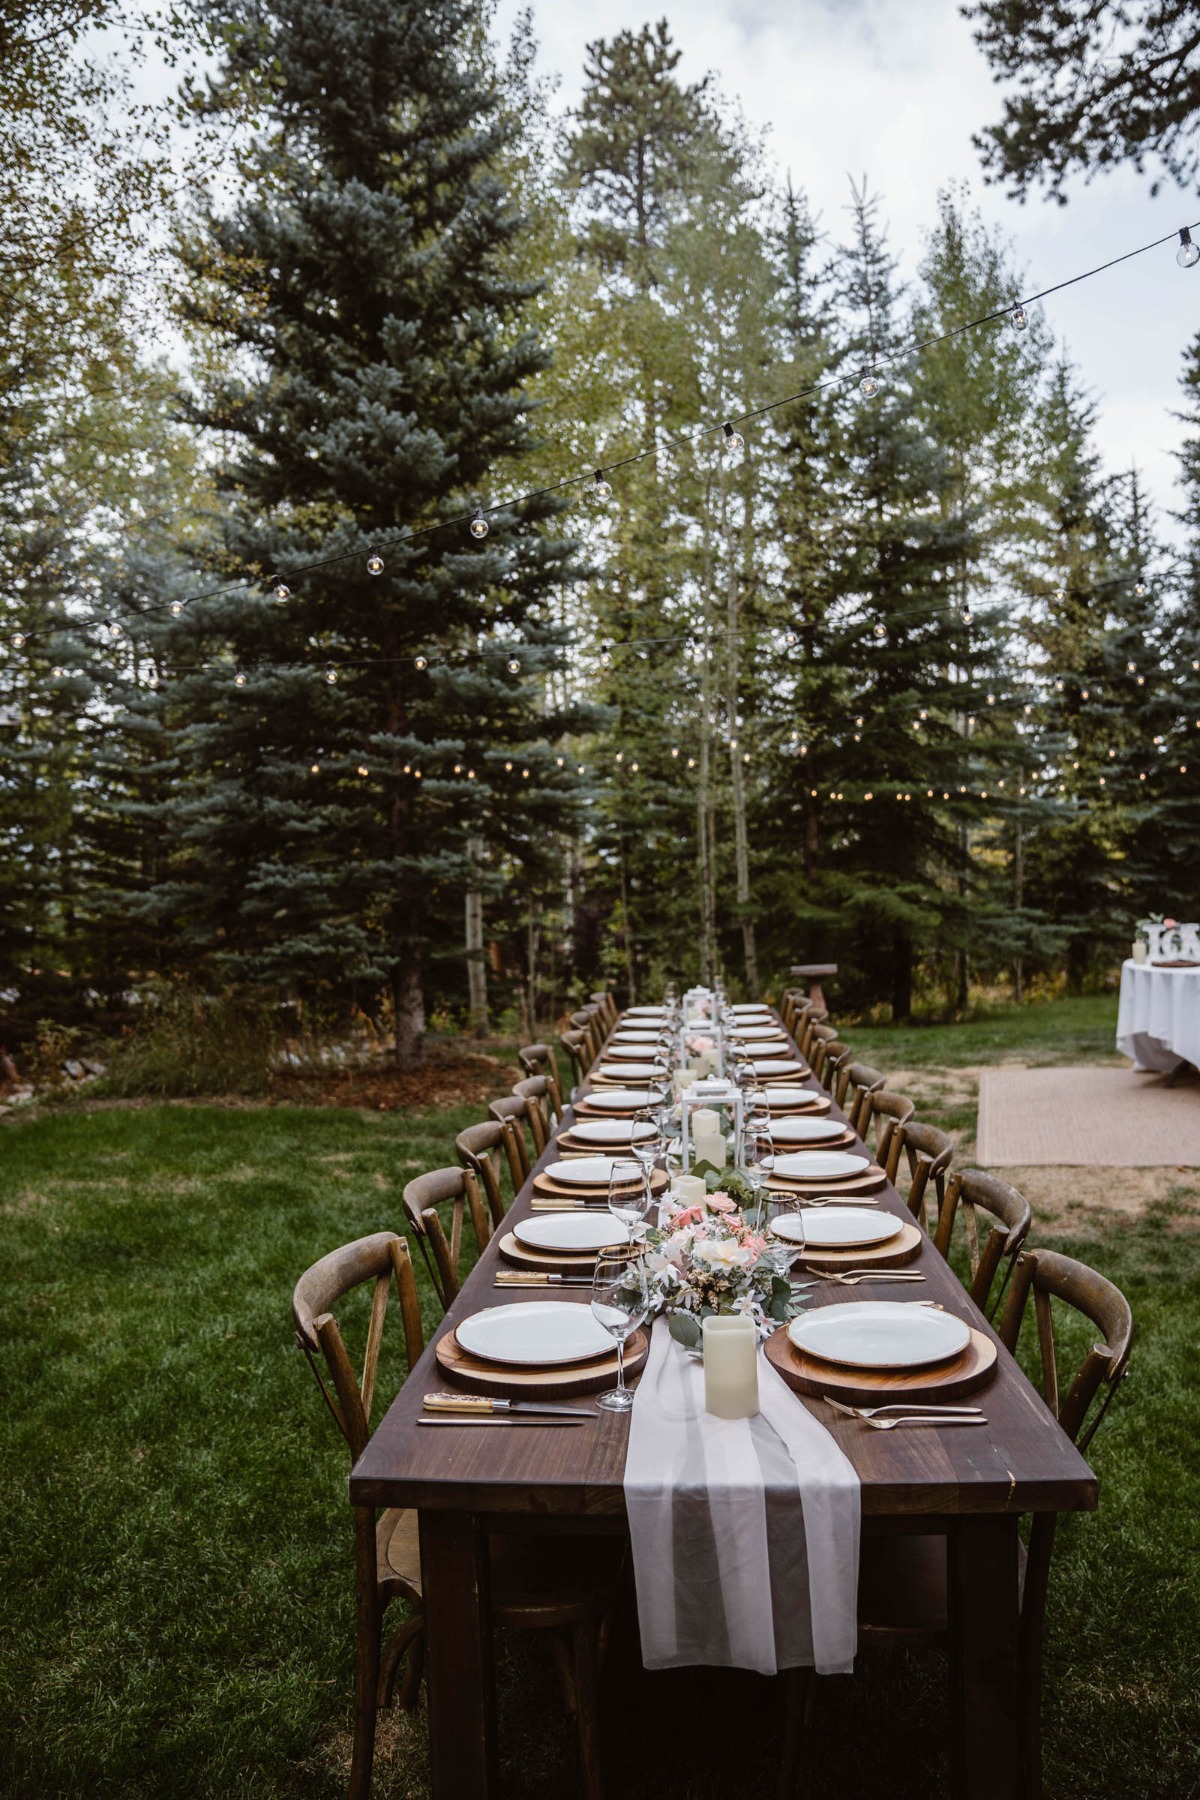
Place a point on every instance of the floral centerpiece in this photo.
(718, 1258)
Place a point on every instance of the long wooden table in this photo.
(973, 1485)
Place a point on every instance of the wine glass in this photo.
(758, 1156)
(626, 1194)
(619, 1302)
(648, 1147)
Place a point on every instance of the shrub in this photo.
(195, 1043)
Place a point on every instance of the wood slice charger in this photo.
(866, 1183)
(890, 1255)
(546, 1262)
(962, 1374)
(520, 1383)
(545, 1186)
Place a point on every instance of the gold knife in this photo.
(481, 1405)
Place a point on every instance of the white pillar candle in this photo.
(1139, 950)
(731, 1367)
(709, 1146)
(688, 1190)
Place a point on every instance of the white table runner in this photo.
(745, 1531)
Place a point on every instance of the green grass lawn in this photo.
(176, 1554)
(1054, 1031)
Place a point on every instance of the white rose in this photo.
(721, 1254)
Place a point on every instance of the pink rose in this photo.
(1169, 924)
(722, 1202)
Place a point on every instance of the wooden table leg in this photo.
(458, 1627)
(986, 1753)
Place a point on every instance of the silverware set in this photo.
(852, 1277)
(481, 1409)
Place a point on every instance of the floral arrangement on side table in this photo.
(719, 1258)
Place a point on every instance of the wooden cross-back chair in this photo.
(423, 1195)
(512, 1112)
(856, 1083)
(586, 1022)
(574, 1044)
(827, 1051)
(903, 1591)
(969, 1193)
(535, 1091)
(796, 1005)
(927, 1153)
(539, 1059)
(608, 1007)
(888, 1111)
(561, 1586)
(480, 1148)
(810, 1019)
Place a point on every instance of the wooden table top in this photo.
(1020, 1462)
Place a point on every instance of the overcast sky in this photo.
(894, 89)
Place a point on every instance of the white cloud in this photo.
(894, 89)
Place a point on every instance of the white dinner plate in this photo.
(772, 1047)
(644, 1012)
(779, 1067)
(837, 1227)
(619, 1099)
(880, 1334)
(609, 1131)
(571, 1231)
(535, 1331)
(791, 1096)
(820, 1165)
(633, 1051)
(805, 1131)
(635, 1037)
(748, 1007)
(590, 1171)
(628, 1071)
(753, 1032)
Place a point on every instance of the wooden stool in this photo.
(814, 974)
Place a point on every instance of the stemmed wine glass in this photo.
(758, 1155)
(648, 1147)
(627, 1194)
(619, 1302)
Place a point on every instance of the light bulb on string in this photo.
(316, 769)
(479, 525)
(868, 386)
(1060, 593)
(1131, 667)
(176, 608)
(152, 679)
(601, 488)
(470, 774)
(363, 769)
(514, 667)
(1020, 318)
(606, 657)
(1139, 587)
(674, 749)
(58, 673)
(1084, 694)
(114, 630)
(1188, 254)
(508, 767)
(634, 767)
(420, 662)
(18, 640)
(375, 563)
(458, 768)
(239, 679)
(733, 439)
(282, 592)
(331, 676)
(881, 631)
(790, 638)
(525, 774)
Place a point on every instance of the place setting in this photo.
(804, 1133)
(816, 1168)
(609, 1101)
(586, 1136)
(859, 1352)
(834, 1232)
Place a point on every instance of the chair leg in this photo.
(407, 1647)
(366, 1681)
(585, 1673)
(798, 1685)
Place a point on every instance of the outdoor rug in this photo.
(1109, 1118)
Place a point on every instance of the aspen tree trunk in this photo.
(704, 805)
(477, 1006)
(737, 767)
(1018, 895)
(628, 929)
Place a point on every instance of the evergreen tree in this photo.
(387, 718)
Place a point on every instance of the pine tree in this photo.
(377, 355)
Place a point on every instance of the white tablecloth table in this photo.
(1158, 1019)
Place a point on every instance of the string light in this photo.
(881, 631)
(176, 608)
(58, 673)
(1020, 317)
(18, 640)
(331, 676)
(316, 769)
(479, 525)
(525, 774)
(601, 488)
(363, 769)
(1139, 587)
(420, 662)
(470, 774)
(1188, 254)
(733, 439)
(514, 667)
(869, 386)
(239, 679)
(282, 592)
(633, 766)
(375, 563)
(508, 766)
(605, 657)
(674, 749)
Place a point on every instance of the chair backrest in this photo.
(381, 1259)
(891, 1110)
(535, 1090)
(809, 1020)
(458, 1189)
(479, 1149)
(857, 1082)
(574, 1044)
(585, 1022)
(927, 1152)
(538, 1059)
(608, 1007)
(970, 1192)
(828, 1051)
(512, 1113)
(795, 1004)
(1049, 1276)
